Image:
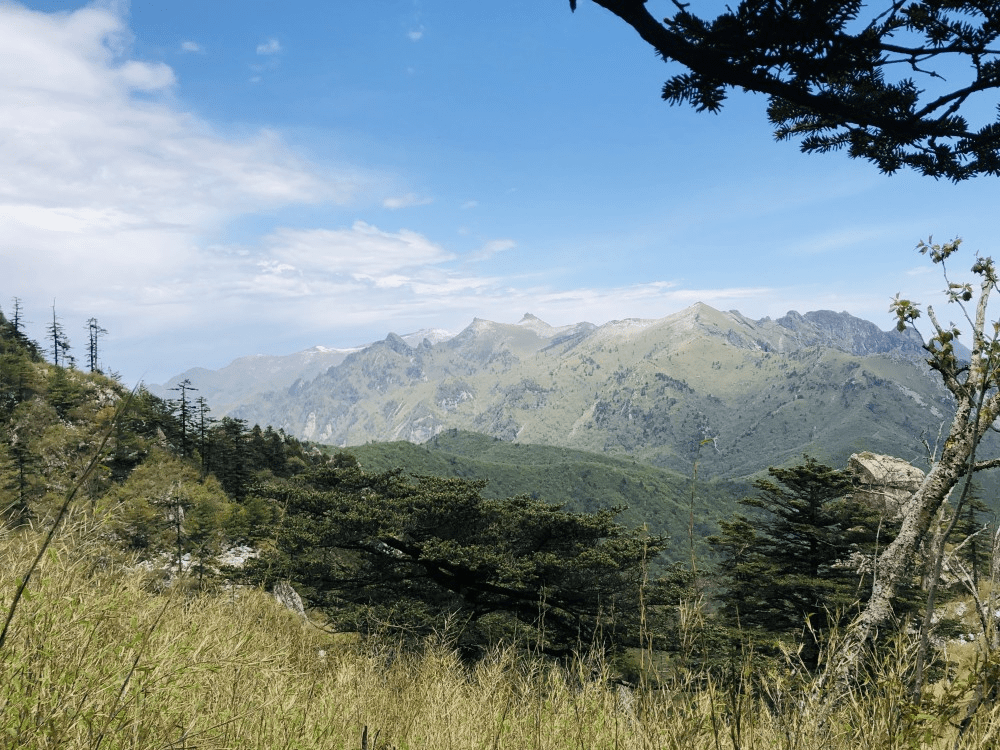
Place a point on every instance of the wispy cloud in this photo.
(270, 47)
(108, 190)
(406, 201)
(415, 35)
(189, 46)
(491, 248)
(361, 252)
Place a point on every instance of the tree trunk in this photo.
(895, 564)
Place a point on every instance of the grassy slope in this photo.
(95, 660)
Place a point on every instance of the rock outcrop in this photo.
(886, 482)
(289, 598)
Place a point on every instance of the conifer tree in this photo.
(60, 342)
(165, 507)
(202, 423)
(229, 455)
(184, 406)
(20, 481)
(377, 550)
(793, 568)
(94, 333)
(17, 321)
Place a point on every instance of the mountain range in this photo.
(700, 387)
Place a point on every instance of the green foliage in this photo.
(165, 506)
(377, 550)
(973, 546)
(826, 65)
(580, 481)
(63, 391)
(19, 374)
(159, 503)
(793, 569)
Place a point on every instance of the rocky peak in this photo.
(848, 334)
(536, 326)
(395, 343)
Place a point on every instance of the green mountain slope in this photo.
(584, 482)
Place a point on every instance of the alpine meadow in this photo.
(680, 527)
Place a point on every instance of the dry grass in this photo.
(95, 660)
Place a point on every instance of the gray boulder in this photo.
(886, 482)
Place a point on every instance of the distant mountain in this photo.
(734, 394)
(243, 379)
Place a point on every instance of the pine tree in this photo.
(377, 550)
(230, 457)
(20, 481)
(202, 423)
(17, 323)
(793, 567)
(60, 342)
(94, 333)
(183, 405)
(166, 507)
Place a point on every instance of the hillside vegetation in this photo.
(438, 612)
(667, 502)
(95, 660)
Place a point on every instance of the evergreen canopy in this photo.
(798, 563)
(382, 550)
(892, 82)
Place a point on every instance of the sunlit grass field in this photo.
(101, 656)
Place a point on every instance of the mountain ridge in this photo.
(734, 394)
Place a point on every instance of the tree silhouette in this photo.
(94, 332)
(60, 341)
(825, 67)
(17, 322)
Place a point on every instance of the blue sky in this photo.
(214, 179)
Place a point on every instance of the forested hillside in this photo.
(668, 502)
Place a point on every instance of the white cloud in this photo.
(416, 35)
(361, 252)
(189, 46)
(108, 191)
(406, 201)
(145, 76)
(469, 204)
(270, 47)
(491, 248)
